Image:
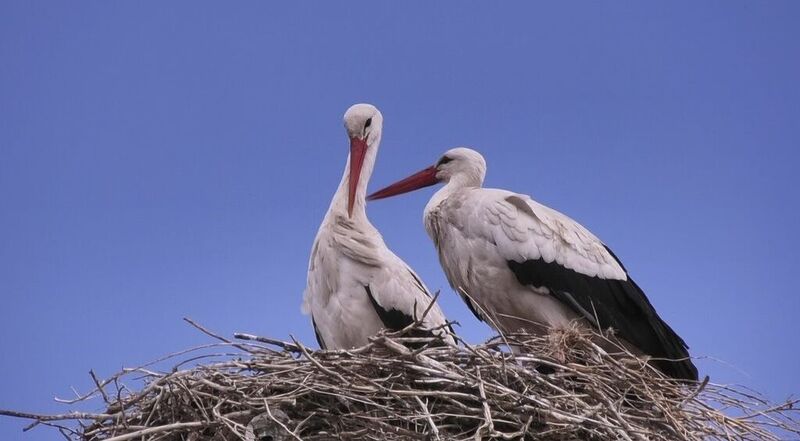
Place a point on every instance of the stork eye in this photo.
(368, 123)
(444, 160)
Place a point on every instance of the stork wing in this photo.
(544, 248)
(525, 230)
(400, 298)
(320, 341)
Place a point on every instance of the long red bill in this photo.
(420, 179)
(358, 149)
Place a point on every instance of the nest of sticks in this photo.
(562, 386)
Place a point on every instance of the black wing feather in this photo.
(396, 320)
(618, 304)
(320, 342)
(471, 306)
(391, 318)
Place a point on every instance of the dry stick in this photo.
(623, 432)
(485, 315)
(279, 422)
(158, 429)
(317, 363)
(83, 397)
(492, 321)
(278, 343)
(456, 386)
(428, 308)
(428, 417)
(218, 337)
(418, 324)
(58, 417)
(99, 387)
(62, 431)
(487, 413)
(696, 392)
(299, 427)
(119, 406)
(232, 425)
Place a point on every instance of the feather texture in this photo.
(356, 286)
(529, 266)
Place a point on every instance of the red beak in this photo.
(420, 179)
(358, 149)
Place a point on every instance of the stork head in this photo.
(363, 123)
(461, 165)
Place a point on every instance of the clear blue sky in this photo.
(175, 159)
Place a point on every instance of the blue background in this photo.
(175, 159)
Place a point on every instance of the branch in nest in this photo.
(386, 391)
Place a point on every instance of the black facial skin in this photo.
(444, 160)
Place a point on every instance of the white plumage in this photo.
(521, 265)
(356, 286)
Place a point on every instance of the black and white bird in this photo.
(356, 286)
(530, 267)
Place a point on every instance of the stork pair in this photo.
(516, 263)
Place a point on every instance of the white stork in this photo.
(530, 267)
(356, 286)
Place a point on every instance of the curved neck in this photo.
(458, 182)
(471, 179)
(339, 203)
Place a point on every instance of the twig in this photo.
(426, 413)
(277, 421)
(386, 391)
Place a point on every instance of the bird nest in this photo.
(563, 386)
